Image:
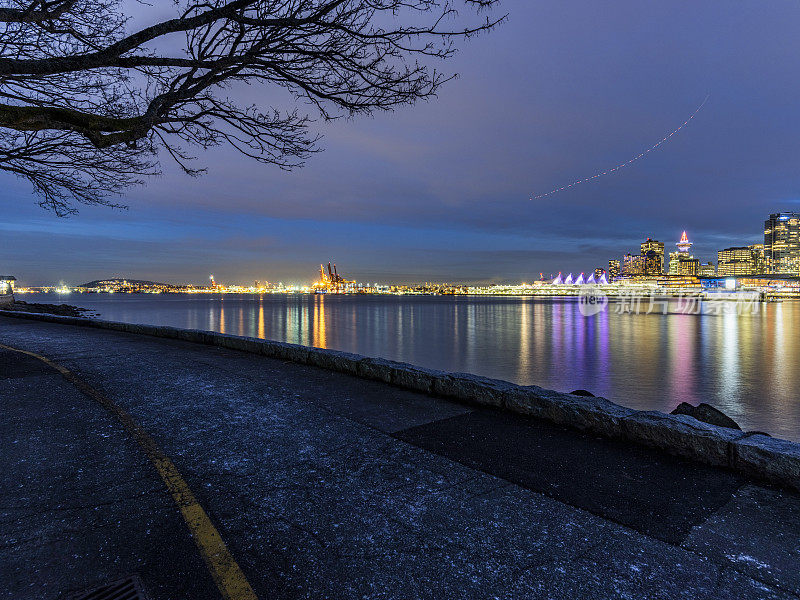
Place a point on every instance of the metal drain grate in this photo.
(124, 589)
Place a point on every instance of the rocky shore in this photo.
(64, 310)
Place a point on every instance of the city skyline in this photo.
(441, 191)
(655, 259)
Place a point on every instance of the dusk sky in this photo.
(441, 191)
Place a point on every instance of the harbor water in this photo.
(746, 363)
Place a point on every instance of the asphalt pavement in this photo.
(323, 485)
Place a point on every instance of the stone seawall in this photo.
(752, 453)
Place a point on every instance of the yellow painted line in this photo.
(227, 575)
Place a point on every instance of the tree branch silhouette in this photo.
(86, 105)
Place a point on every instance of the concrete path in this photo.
(322, 485)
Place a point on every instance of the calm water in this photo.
(747, 365)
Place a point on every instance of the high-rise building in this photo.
(613, 270)
(758, 258)
(688, 265)
(740, 260)
(598, 273)
(633, 265)
(707, 270)
(673, 263)
(653, 254)
(680, 261)
(684, 245)
(782, 243)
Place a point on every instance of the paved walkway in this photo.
(322, 485)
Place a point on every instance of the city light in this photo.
(771, 270)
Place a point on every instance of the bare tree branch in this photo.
(86, 104)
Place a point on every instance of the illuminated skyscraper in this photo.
(782, 243)
(684, 245)
(740, 260)
(613, 270)
(758, 258)
(653, 254)
(673, 263)
(633, 265)
(686, 265)
(680, 261)
(707, 270)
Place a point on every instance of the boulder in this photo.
(707, 414)
(764, 456)
(586, 393)
(682, 435)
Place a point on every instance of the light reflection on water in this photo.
(747, 365)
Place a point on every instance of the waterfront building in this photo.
(687, 265)
(782, 243)
(7, 284)
(614, 270)
(598, 273)
(653, 253)
(7, 289)
(684, 264)
(740, 260)
(707, 270)
(683, 283)
(758, 258)
(633, 265)
(673, 263)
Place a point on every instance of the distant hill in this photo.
(118, 281)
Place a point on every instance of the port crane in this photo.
(330, 280)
